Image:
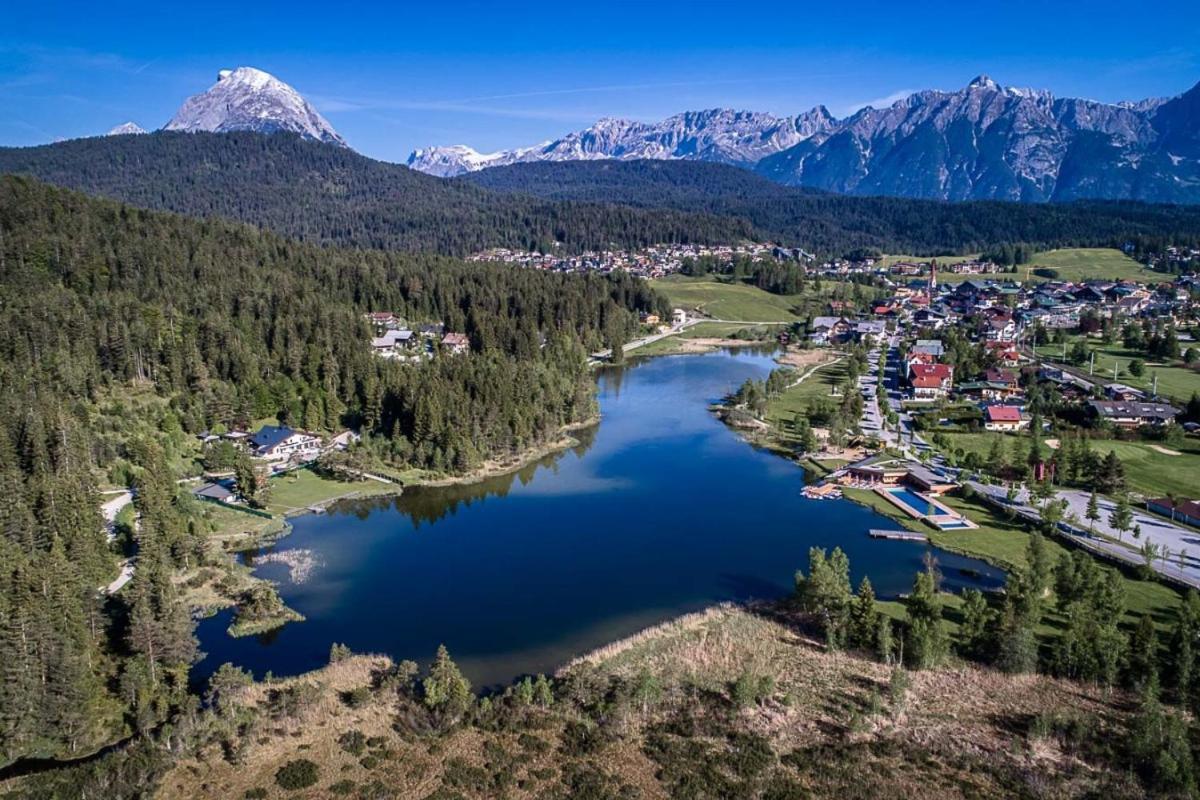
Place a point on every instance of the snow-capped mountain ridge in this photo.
(248, 99)
(984, 141)
(715, 134)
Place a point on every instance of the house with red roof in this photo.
(1004, 418)
(931, 381)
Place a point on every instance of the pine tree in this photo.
(446, 691)
(1141, 668)
(926, 641)
(1093, 511)
(975, 632)
(864, 617)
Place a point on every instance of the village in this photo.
(1073, 405)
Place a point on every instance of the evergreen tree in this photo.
(926, 641)
(445, 690)
(864, 617)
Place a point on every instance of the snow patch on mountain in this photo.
(125, 128)
(248, 99)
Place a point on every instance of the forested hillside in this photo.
(225, 324)
(327, 194)
(834, 224)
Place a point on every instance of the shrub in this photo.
(257, 793)
(342, 787)
(298, 774)
(353, 742)
(357, 697)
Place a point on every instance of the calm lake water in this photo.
(659, 511)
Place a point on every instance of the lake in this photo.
(660, 510)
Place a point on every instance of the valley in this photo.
(696, 452)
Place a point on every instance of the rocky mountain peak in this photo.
(126, 128)
(983, 82)
(249, 99)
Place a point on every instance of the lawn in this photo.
(818, 386)
(732, 301)
(1088, 263)
(1174, 380)
(1072, 264)
(298, 490)
(1149, 471)
(1002, 542)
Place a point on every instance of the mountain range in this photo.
(984, 141)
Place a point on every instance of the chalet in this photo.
(829, 330)
(343, 440)
(384, 319)
(432, 330)
(931, 381)
(933, 347)
(393, 340)
(214, 493)
(1186, 511)
(1004, 418)
(870, 331)
(1000, 329)
(984, 391)
(1005, 353)
(1005, 377)
(1132, 414)
(1119, 391)
(882, 470)
(456, 343)
(678, 317)
(279, 444)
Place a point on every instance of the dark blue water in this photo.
(660, 510)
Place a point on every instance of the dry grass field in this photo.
(653, 717)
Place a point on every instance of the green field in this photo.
(732, 301)
(1003, 543)
(782, 410)
(1072, 264)
(1086, 263)
(1147, 470)
(1174, 380)
(298, 490)
(704, 330)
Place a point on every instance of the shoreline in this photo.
(496, 469)
(245, 577)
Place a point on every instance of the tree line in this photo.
(221, 324)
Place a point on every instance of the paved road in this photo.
(1174, 538)
(604, 355)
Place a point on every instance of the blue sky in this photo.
(398, 76)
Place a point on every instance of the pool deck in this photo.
(940, 516)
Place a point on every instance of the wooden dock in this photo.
(907, 536)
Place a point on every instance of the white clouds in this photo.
(881, 102)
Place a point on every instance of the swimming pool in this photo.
(914, 501)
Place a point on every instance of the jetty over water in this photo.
(908, 536)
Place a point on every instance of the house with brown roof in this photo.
(1004, 418)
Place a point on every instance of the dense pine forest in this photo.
(833, 224)
(325, 194)
(223, 324)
